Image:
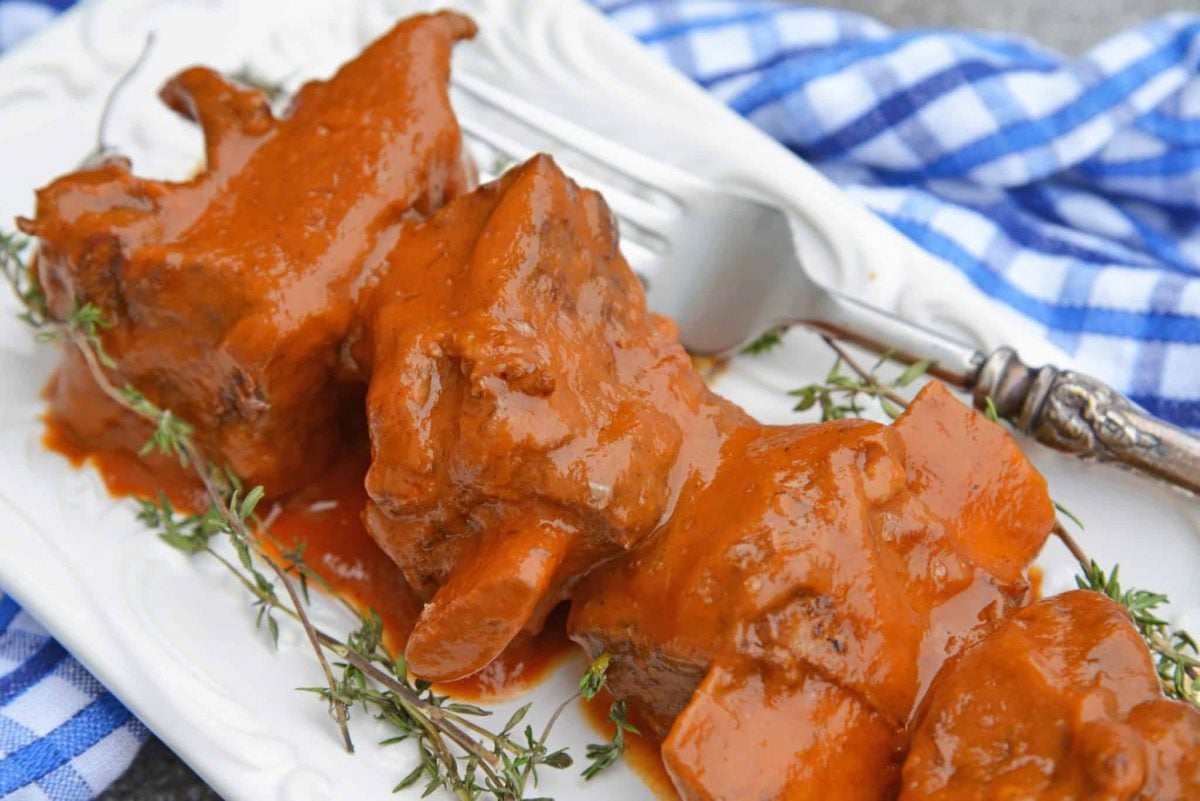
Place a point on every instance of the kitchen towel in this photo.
(62, 735)
(1068, 189)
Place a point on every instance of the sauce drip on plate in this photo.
(325, 516)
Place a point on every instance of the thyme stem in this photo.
(1071, 544)
(102, 147)
(435, 713)
(867, 376)
(190, 454)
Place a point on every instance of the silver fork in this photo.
(725, 267)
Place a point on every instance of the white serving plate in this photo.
(175, 639)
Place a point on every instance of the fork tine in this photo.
(636, 212)
(638, 175)
(642, 244)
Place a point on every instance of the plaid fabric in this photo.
(20, 18)
(62, 735)
(1066, 189)
(1069, 190)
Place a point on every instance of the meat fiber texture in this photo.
(529, 417)
(1060, 702)
(228, 296)
(815, 586)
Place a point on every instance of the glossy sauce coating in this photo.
(325, 517)
(115, 442)
(820, 579)
(230, 294)
(1060, 703)
(522, 665)
(529, 418)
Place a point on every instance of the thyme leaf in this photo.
(601, 756)
(1175, 653)
(1074, 518)
(842, 395)
(595, 677)
(604, 755)
(989, 409)
(768, 341)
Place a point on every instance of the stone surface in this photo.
(158, 775)
(1068, 25)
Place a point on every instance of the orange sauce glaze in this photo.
(326, 516)
(125, 474)
(522, 665)
(325, 519)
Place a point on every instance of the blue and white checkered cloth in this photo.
(62, 735)
(1067, 189)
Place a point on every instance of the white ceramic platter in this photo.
(174, 638)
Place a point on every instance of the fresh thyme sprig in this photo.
(21, 279)
(604, 755)
(768, 341)
(457, 754)
(173, 437)
(1176, 655)
(1175, 652)
(841, 395)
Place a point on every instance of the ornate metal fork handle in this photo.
(1062, 409)
(1080, 415)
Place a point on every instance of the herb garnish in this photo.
(841, 395)
(1174, 651)
(603, 755)
(606, 754)
(768, 341)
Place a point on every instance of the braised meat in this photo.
(529, 418)
(229, 294)
(817, 583)
(776, 601)
(1060, 702)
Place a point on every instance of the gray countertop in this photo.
(1068, 25)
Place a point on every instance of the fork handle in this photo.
(844, 317)
(1083, 416)
(1063, 409)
